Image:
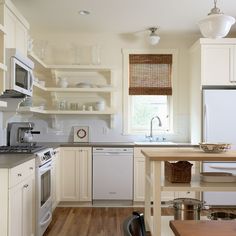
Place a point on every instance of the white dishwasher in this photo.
(112, 173)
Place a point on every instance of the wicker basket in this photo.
(178, 172)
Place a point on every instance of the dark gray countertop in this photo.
(11, 160)
(118, 144)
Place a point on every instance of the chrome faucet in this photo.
(151, 132)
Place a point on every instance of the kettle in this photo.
(27, 136)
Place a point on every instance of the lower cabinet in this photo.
(76, 173)
(139, 179)
(21, 208)
(17, 195)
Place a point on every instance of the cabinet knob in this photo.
(26, 186)
(19, 174)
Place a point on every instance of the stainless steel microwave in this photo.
(19, 76)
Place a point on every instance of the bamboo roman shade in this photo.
(150, 74)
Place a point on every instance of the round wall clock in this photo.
(81, 134)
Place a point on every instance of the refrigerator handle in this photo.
(205, 123)
(223, 167)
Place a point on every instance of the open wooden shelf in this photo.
(56, 89)
(64, 112)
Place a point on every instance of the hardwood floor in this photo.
(88, 221)
(95, 221)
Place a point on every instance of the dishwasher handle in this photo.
(112, 154)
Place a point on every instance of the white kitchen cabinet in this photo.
(76, 174)
(3, 67)
(21, 208)
(215, 61)
(17, 205)
(56, 178)
(218, 64)
(16, 28)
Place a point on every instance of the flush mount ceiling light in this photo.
(84, 12)
(216, 24)
(153, 37)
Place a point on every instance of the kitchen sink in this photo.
(148, 143)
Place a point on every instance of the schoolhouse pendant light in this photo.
(216, 24)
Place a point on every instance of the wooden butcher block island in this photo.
(155, 183)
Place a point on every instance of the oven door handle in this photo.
(48, 219)
(45, 168)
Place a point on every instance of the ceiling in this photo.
(120, 16)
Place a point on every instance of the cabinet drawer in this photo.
(20, 172)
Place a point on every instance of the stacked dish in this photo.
(224, 177)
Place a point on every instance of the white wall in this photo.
(58, 52)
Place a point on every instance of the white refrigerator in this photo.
(219, 125)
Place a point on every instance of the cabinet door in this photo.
(69, 175)
(21, 38)
(16, 33)
(10, 29)
(22, 208)
(16, 210)
(218, 65)
(139, 178)
(76, 183)
(85, 174)
(28, 207)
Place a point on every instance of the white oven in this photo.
(43, 192)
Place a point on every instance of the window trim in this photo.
(126, 100)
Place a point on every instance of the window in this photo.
(144, 107)
(148, 83)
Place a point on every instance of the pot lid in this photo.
(187, 201)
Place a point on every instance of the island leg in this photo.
(147, 212)
(157, 198)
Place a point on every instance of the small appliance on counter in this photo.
(20, 138)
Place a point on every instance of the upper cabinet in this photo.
(218, 65)
(16, 28)
(217, 61)
(3, 67)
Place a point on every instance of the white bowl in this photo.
(216, 26)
